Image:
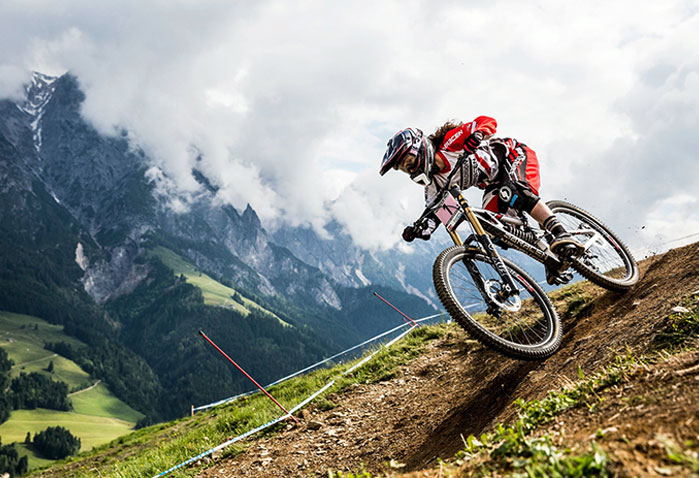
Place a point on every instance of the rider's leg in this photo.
(562, 242)
(541, 212)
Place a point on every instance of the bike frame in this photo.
(485, 225)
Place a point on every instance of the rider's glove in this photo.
(473, 141)
(409, 233)
(422, 231)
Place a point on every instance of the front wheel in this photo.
(524, 326)
(606, 261)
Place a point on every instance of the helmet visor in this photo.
(395, 150)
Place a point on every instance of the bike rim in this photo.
(526, 325)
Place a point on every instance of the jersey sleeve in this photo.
(486, 124)
(453, 144)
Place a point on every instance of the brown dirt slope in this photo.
(458, 387)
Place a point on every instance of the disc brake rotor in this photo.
(512, 303)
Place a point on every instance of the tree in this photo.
(10, 462)
(5, 403)
(50, 367)
(28, 439)
(56, 443)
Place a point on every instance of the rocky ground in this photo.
(457, 388)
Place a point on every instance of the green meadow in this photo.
(213, 291)
(98, 417)
(92, 430)
(23, 338)
(100, 402)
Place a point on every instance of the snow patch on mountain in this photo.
(39, 93)
(362, 277)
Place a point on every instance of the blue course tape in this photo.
(310, 367)
(297, 407)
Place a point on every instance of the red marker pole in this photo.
(246, 374)
(405, 317)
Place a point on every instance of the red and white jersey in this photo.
(452, 148)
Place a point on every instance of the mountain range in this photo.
(90, 242)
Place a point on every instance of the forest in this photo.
(29, 391)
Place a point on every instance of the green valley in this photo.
(97, 417)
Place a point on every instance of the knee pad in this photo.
(517, 196)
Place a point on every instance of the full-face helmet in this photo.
(411, 152)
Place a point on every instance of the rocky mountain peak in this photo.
(39, 92)
(250, 218)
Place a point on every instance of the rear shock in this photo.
(527, 236)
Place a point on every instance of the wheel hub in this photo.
(512, 303)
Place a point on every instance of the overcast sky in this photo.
(290, 104)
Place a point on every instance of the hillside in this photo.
(458, 388)
(214, 292)
(97, 416)
(625, 379)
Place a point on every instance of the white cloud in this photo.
(289, 105)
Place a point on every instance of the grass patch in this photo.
(538, 457)
(676, 454)
(585, 392)
(360, 474)
(23, 338)
(574, 301)
(91, 430)
(680, 327)
(33, 330)
(34, 460)
(386, 362)
(99, 402)
(579, 307)
(214, 292)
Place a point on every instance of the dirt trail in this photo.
(457, 387)
(85, 389)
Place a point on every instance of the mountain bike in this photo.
(497, 301)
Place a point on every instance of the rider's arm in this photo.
(484, 124)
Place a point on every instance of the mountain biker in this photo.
(507, 171)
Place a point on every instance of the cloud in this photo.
(637, 180)
(287, 106)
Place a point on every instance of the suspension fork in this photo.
(509, 286)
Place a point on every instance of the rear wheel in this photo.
(524, 326)
(607, 261)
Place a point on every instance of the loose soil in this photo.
(457, 387)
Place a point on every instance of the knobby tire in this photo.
(608, 263)
(500, 330)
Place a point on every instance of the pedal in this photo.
(558, 278)
(570, 250)
(564, 278)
